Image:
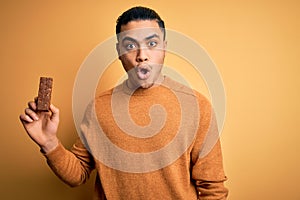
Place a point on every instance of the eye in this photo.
(130, 46)
(152, 44)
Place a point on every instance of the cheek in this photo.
(127, 62)
(159, 60)
(159, 56)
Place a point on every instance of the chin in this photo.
(146, 85)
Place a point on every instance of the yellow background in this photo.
(255, 45)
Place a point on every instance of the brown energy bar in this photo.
(44, 95)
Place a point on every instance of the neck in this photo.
(132, 86)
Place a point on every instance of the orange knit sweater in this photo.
(146, 144)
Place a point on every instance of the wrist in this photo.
(49, 146)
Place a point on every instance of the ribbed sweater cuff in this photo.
(55, 152)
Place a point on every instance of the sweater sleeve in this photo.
(209, 176)
(207, 162)
(74, 166)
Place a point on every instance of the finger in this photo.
(32, 105)
(55, 113)
(25, 118)
(29, 112)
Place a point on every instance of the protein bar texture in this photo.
(44, 94)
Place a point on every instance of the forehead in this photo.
(140, 29)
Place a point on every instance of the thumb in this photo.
(55, 113)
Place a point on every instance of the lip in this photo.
(143, 71)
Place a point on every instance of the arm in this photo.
(207, 161)
(209, 176)
(72, 167)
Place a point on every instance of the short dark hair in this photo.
(139, 13)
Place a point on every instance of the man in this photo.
(168, 146)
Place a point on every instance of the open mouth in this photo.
(143, 72)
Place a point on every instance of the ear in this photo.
(118, 50)
(165, 45)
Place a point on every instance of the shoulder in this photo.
(108, 93)
(185, 90)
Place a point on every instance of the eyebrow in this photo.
(152, 36)
(134, 40)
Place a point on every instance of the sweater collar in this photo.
(142, 91)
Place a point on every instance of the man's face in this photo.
(141, 49)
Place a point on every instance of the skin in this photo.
(141, 50)
(41, 127)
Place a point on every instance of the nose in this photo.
(142, 55)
